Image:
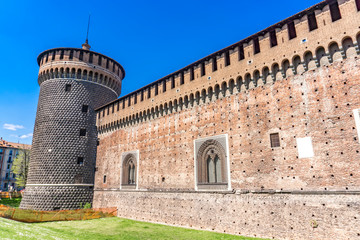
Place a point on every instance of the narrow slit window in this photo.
(227, 58)
(273, 39)
(71, 54)
(67, 87)
(172, 82)
(164, 86)
(214, 64)
(129, 101)
(85, 108)
(81, 56)
(53, 56)
(156, 89)
(80, 161)
(107, 63)
(335, 11)
(135, 98)
(142, 96)
(274, 140)
(312, 21)
(202, 66)
(62, 54)
(99, 60)
(104, 179)
(83, 132)
(291, 30)
(149, 93)
(241, 53)
(113, 108)
(182, 80)
(256, 45)
(192, 77)
(91, 58)
(123, 106)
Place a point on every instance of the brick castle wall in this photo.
(305, 87)
(318, 104)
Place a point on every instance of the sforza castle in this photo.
(261, 138)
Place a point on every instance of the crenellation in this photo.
(86, 56)
(280, 67)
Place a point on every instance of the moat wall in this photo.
(278, 216)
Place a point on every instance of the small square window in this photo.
(85, 108)
(275, 140)
(67, 87)
(83, 132)
(80, 161)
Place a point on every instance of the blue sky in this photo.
(150, 39)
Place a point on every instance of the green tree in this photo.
(20, 167)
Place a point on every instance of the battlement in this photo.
(320, 35)
(80, 64)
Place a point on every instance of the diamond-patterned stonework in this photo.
(57, 144)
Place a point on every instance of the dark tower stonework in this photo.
(73, 83)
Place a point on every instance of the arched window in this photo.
(211, 163)
(231, 86)
(247, 80)
(239, 82)
(129, 166)
(213, 169)
(223, 89)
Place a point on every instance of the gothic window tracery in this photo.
(211, 164)
(129, 170)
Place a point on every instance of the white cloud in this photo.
(12, 127)
(26, 136)
(22, 136)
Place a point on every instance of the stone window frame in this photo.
(226, 164)
(125, 156)
(275, 140)
(356, 114)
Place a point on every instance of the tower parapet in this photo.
(73, 83)
(81, 64)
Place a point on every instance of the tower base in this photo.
(56, 197)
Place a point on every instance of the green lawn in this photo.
(105, 228)
(15, 202)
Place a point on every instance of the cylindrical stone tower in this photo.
(73, 83)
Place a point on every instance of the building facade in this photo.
(8, 153)
(261, 138)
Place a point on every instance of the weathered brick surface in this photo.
(317, 104)
(277, 216)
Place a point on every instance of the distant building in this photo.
(8, 152)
